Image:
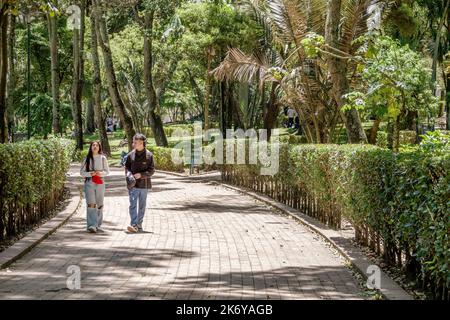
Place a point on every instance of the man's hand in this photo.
(137, 175)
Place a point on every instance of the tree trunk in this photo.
(223, 123)
(11, 76)
(90, 123)
(99, 116)
(77, 85)
(198, 93)
(53, 42)
(271, 113)
(229, 103)
(116, 100)
(207, 88)
(153, 101)
(396, 135)
(374, 131)
(337, 68)
(410, 122)
(436, 46)
(3, 71)
(447, 101)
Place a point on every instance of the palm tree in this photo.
(312, 82)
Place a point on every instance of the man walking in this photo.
(139, 167)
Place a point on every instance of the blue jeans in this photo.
(95, 193)
(138, 200)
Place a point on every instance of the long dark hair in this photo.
(90, 156)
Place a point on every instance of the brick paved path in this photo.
(201, 242)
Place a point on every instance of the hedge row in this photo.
(398, 204)
(32, 176)
(163, 159)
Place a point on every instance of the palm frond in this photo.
(353, 21)
(288, 20)
(243, 68)
(256, 10)
(315, 12)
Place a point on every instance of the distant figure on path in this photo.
(291, 115)
(94, 169)
(109, 125)
(139, 167)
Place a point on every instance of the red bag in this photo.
(97, 180)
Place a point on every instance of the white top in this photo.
(100, 164)
(291, 113)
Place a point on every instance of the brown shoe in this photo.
(132, 229)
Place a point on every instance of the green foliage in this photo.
(397, 79)
(355, 100)
(32, 176)
(312, 44)
(403, 198)
(382, 139)
(419, 212)
(163, 159)
(37, 166)
(292, 139)
(435, 142)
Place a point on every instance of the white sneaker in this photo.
(92, 229)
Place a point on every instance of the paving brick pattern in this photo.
(200, 241)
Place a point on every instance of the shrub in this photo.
(163, 159)
(32, 176)
(407, 137)
(382, 139)
(293, 139)
(398, 203)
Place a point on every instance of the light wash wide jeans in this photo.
(138, 200)
(95, 193)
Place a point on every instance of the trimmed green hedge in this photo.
(32, 176)
(398, 204)
(163, 159)
(293, 139)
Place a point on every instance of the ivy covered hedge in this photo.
(399, 204)
(32, 176)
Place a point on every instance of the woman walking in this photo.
(94, 169)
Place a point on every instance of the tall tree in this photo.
(96, 89)
(90, 117)
(52, 16)
(4, 7)
(209, 56)
(12, 80)
(154, 118)
(338, 66)
(78, 70)
(116, 99)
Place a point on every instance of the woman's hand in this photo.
(98, 173)
(93, 173)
